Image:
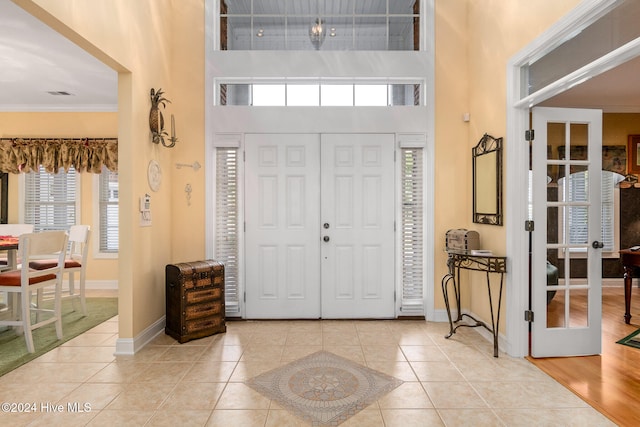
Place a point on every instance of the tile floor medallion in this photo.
(323, 388)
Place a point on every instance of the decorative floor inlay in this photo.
(323, 388)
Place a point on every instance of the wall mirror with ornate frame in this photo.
(487, 181)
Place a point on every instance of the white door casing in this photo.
(569, 129)
(291, 181)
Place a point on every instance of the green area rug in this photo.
(13, 348)
(632, 340)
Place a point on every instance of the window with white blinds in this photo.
(108, 208)
(575, 216)
(51, 200)
(226, 233)
(411, 182)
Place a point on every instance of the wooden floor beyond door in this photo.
(609, 382)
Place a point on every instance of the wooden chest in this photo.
(195, 299)
(462, 239)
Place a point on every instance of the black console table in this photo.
(464, 260)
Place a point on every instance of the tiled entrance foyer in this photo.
(451, 382)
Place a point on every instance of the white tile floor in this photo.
(453, 382)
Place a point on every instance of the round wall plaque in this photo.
(154, 175)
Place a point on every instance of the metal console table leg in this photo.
(488, 264)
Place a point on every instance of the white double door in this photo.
(319, 233)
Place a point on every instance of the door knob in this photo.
(326, 225)
(597, 245)
(326, 238)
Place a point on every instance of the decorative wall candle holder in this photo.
(156, 120)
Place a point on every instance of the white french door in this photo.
(566, 149)
(319, 232)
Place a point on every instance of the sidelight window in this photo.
(226, 233)
(412, 236)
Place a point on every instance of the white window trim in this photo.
(95, 207)
(231, 141)
(409, 306)
(325, 81)
(21, 199)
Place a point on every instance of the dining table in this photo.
(10, 245)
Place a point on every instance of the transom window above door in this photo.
(319, 25)
(280, 94)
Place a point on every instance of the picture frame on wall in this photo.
(614, 159)
(633, 154)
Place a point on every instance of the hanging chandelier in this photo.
(317, 34)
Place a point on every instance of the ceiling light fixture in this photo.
(317, 34)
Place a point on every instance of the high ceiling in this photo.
(616, 91)
(37, 65)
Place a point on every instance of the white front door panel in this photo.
(358, 208)
(282, 224)
(301, 190)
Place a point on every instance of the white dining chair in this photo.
(75, 262)
(24, 281)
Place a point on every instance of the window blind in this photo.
(108, 206)
(577, 210)
(226, 233)
(412, 231)
(50, 199)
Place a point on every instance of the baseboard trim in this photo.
(129, 346)
(502, 340)
(440, 315)
(100, 284)
(613, 282)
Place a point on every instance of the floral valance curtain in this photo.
(84, 154)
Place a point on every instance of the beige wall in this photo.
(160, 43)
(65, 125)
(497, 30)
(134, 38)
(187, 67)
(617, 127)
(452, 152)
(474, 41)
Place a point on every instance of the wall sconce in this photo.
(156, 120)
